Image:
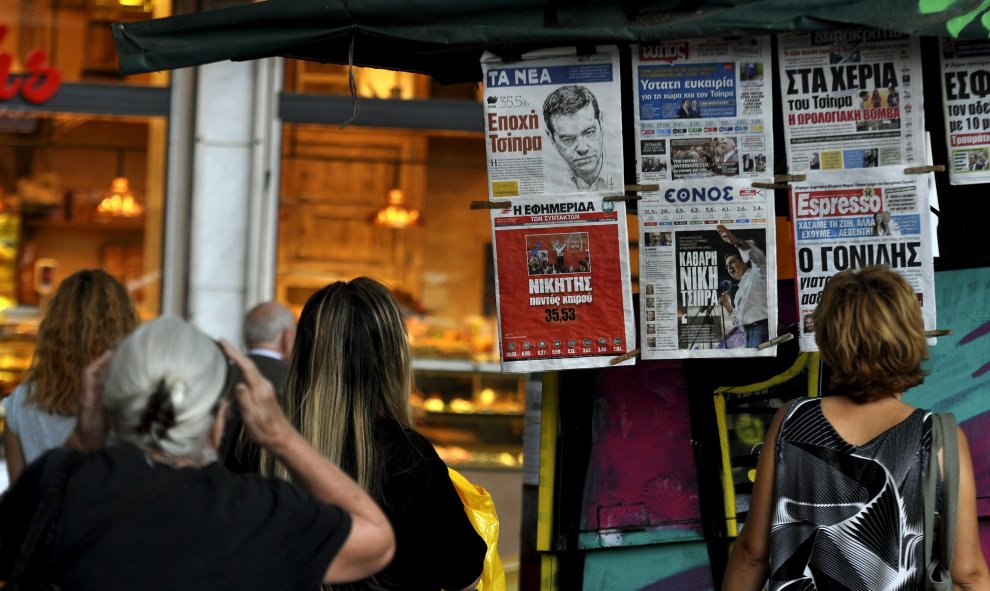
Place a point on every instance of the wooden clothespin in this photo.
(939, 332)
(624, 357)
(924, 169)
(490, 204)
(780, 181)
(760, 185)
(776, 341)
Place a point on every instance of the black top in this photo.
(436, 545)
(202, 528)
(848, 516)
(238, 452)
(273, 369)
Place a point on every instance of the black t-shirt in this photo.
(436, 545)
(202, 528)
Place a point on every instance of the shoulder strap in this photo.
(944, 438)
(950, 483)
(929, 485)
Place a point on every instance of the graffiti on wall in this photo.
(960, 372)
(955, 25)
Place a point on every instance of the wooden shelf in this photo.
(127, 225)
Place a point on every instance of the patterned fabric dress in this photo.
(848, 517)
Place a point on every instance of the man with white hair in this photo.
(269, 331)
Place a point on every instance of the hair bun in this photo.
(177, 389)
(159, 414)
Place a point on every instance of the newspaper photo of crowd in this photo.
(549, 254)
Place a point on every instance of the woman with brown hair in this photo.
(838, 498)
(89, 313)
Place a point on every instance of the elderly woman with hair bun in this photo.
(838, 500)
(89, 313)
(151, 508)
(347, 390)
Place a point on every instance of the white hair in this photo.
(162, 389)
(266, 321)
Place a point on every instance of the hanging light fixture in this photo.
(395, 214)
(120, 201)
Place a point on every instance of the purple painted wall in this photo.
(642, 473)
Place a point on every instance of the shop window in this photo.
(75, 36)
(314, 77)
(333, 183)
(76, 191)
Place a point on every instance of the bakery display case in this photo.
(18, 331)
(472, 413)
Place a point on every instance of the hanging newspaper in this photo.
(553, 123)
(853, 219)
(703, 108)
(966, 95)
(562, 282)
(851, 99)
(707, 270)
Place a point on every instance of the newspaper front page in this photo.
(553, 123)
(966, 98)
(703, 108)
(851, 99)
(853, 219)
(707, 270)
(562, 283)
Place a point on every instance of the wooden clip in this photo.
(939, 332)
(634, 188)
(625, 356)
(771, 186)
(789, 178)
(924, 169)
(622, 198)
(490, 204)
(776, 341)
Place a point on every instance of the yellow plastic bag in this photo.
(480, 510)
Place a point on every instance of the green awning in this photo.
(445, 38)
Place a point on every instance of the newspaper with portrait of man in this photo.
(562, 285)
(852, 219)
(966, 98)
(553, 122)
(703, 108)
(851, 99)
(707, 270)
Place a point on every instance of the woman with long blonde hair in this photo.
(89, 313)
(347, 391)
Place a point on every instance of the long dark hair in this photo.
(349, 367)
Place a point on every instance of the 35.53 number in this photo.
(560, 314)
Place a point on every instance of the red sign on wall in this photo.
(37, 84)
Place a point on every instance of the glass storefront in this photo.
(81, 177)
(333, 183)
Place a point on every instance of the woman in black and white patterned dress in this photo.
(838, 504)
